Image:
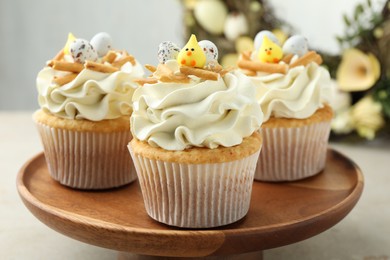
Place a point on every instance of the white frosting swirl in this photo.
(297, 94)
(91, 95)
(202, 113)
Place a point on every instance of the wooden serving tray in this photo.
(280, 213)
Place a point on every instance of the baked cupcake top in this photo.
(190, 101)
(289, 81)
(89, 80)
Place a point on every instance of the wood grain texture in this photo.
(280, 213)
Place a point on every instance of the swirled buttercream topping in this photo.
(201, 113)
(91, 95)
(296, 94)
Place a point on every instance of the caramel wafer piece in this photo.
(214, 66)
(110, 57)
(246, 55)
(172, 78)
(287, 59)
(249, 73)
(119, 63)
(262, 66)
(310, 56)
(151, 68)
(165, 74)
(60, 55)
(67, 66)
(65, 79)
(224, 71)
(201, 73)
(50, 63)
(318, 59)
(99, 67)
(162, 69)
(143, 81)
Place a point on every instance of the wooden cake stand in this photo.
(280, 214)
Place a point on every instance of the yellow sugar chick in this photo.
(71, 39)
(269, 51)
(192, 54)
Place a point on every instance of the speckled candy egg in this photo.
(259, 38)
(296, 44)
(210, 49)
(167, 51)
(82, 50)
(102, 43)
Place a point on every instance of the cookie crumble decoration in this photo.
(96, 55)
(197, 59)
(269, 57)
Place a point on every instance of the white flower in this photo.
(340, 100)
(235, 26)
(342, 122)
(367, 117)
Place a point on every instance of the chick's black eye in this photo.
(186, 49)
(270, 49)
(192, 49)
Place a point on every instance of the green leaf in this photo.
(346, 20)
(340, 39)
(369, 4)
(382, 95)
(358, 11)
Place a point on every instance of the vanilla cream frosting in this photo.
(201, 113)
(296, 94)
(91, 95)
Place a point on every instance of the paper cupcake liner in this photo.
(196, 195)
(87, 160)
(290, 154)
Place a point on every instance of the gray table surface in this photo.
(363, 234)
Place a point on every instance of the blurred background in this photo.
(32, 32)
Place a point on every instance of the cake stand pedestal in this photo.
(280, 214)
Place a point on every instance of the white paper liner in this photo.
(87, 160)
(290, 154)
(196, 195)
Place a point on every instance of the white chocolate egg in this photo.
(211, 15)
(102, 43)
(296, 44)
(82, 51)
(167, 51)
(235, 26)
(259, 38)
(209, 49)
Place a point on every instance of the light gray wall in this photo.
(33, 31)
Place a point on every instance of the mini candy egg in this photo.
(209, 49)
(102, 43)
(82, 50)
(296, 44)
(167, 51)
(259, 38)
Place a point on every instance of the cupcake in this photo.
(293, 91)
(196, 141)
(85, 103)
